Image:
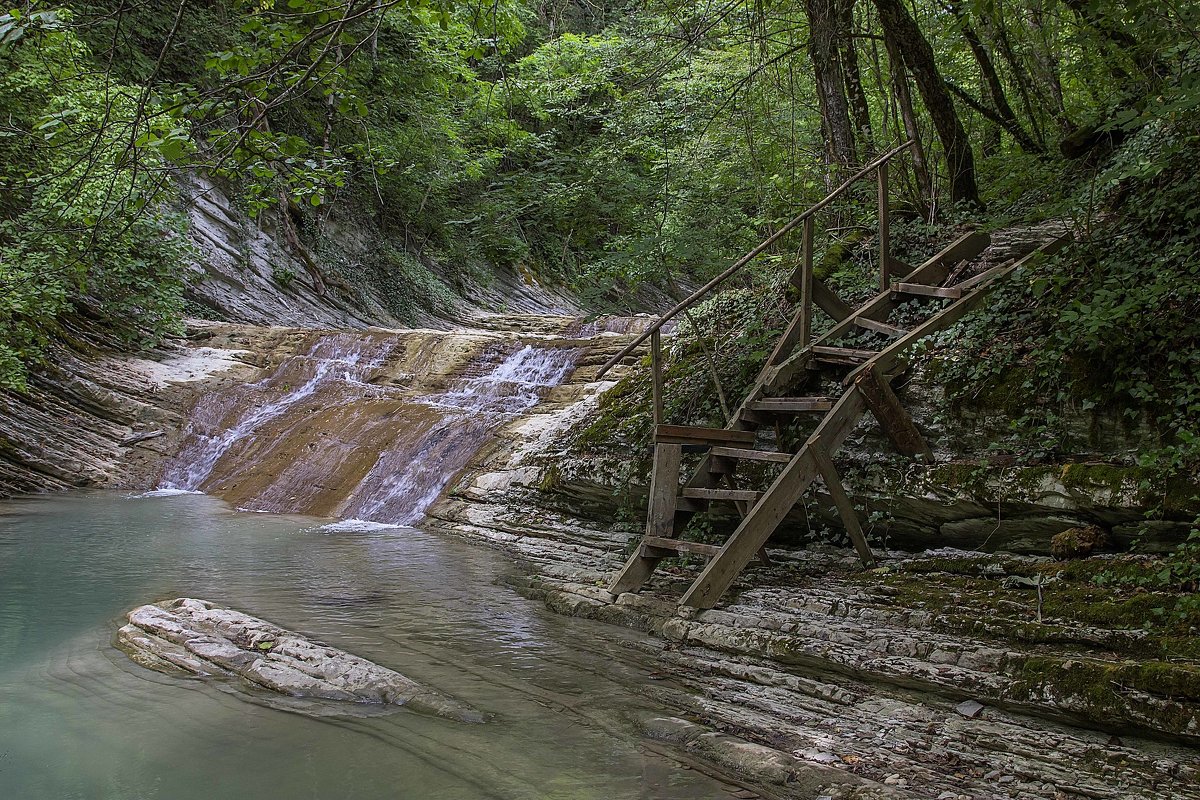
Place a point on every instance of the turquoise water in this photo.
(79, 720)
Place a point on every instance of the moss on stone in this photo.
(1178, 495)
(1082, 606)
(1102, 688)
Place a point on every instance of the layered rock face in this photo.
(947, 675)
(198, 638)
(107, 420)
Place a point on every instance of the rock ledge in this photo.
(199, 638)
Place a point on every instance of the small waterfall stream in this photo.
(335, 359)
(408, 478)
(319, 436)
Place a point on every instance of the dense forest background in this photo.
(610, 147)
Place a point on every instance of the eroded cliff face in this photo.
(251, 271)
(106, 419)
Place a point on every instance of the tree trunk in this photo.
(1047, 63)
(994, 29)
(908, 115)
(900, 27)
(831, 84)
(1006, 117)
(860, 109)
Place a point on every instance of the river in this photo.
(79, 720)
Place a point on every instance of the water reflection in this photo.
(77, 719)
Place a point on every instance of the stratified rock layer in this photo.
(199, 638)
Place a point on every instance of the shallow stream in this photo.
(79, 720)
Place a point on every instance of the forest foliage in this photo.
(604, 148)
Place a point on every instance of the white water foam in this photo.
(406, 480)
(162, 493)
(357, 526)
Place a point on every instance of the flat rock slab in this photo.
(197, 637)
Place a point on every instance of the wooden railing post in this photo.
(885, 233)
(806, 282)
(656, 362)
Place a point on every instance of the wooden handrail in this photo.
(744, 260)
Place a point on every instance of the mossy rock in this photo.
(1079, 542)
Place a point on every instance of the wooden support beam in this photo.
(720, 494)
(656, 366)
(885, 229)
(923, 290)
(806, 282)
(828, 301)
(879, 327)
(900, 269)
(779, 499)
(659, 547)
(660, 517)
(895, 420)
(799, 329)
(685, 434)
(841, 500)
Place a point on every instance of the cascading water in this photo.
(318, 437)
(407, 479)
(336, 359)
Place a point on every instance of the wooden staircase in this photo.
(783, 390)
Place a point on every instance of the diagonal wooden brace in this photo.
(893, 418)
(841, 500)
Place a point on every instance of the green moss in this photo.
(836, 254)
(551, 479)
(1114, 477)
(981, 480)
(1080, 602)
(1177, 495)
(1101, 687)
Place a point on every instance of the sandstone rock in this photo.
(199, 638)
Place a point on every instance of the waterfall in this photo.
(316, 436)
(407, 479)
(338, 358)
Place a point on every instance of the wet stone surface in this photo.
(196, 637)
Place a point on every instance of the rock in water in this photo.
(197, 637)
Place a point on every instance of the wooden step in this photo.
(658, 546)
(879, 327)
(721, 494)
(751, 455)
(684, 434)
(725, 460)
(791, 405)
(920, 289)
(846, 356)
